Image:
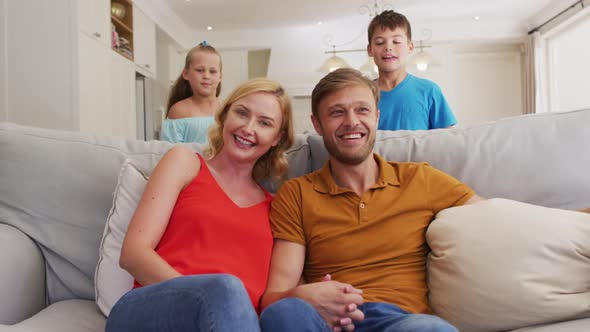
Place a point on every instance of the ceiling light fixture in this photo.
(334, 62)
(209, 28)
(422, 58)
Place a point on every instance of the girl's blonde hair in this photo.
(181, 89)
(273, 164)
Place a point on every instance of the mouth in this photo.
(352, 137)
(389, 58)
(243, 143)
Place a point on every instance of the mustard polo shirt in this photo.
(375, 242)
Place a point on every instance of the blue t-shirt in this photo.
(415, 104)
(186, 130)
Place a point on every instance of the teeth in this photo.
(351, 136)
(243, 141)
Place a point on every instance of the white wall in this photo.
(568, 54)
(2, 62)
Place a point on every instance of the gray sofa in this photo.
(56, 190)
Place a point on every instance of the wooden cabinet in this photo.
(122, 27)
(144, 43)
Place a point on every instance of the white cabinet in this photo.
(176, 63)
(94, 20)
(95, 106)
(60, 74)
(122, 83)
(144, 34)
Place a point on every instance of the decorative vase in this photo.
(118, 10)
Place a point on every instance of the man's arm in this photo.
(336, 302)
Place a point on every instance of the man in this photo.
(354, 231)
(407, 102)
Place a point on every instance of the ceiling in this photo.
(264, 14)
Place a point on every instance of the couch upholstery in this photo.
(56, 191)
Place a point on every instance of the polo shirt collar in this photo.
(324, 182)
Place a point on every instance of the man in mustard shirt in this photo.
(350, 248)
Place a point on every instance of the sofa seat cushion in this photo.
(577, 325)
(500, 265)
(64, 316)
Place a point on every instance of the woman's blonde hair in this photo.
(181, 89)
(273, 164)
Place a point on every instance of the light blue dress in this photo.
(186, 130)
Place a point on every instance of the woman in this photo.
(199, 243)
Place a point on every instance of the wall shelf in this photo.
(123, 26)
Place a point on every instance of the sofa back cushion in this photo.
(57, 187)
(540, 158)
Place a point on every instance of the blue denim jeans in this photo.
(212, 302)
(294, 314)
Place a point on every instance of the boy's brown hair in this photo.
(392, 20)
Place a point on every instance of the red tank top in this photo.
(208, 233)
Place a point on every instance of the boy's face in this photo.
(390, 49)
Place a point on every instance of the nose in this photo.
(351, 119)
(249, 127)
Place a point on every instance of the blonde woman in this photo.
(199, 243)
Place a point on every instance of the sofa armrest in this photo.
(22, 276)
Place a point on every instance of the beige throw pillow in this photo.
(501, 265)
(111, 282)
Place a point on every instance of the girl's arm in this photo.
(175, 170)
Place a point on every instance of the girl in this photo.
(194, 97)
(199, 243)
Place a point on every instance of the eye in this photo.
(265, 123)
(336, 112)
(364, 110)
(242, 112)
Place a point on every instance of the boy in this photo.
(407, 102)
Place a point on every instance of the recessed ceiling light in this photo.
(209, 28)
(320, 22)
(476, 18)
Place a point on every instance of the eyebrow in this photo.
(247, 109)
(267, 118)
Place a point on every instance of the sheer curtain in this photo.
(529, 83)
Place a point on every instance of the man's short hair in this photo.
(337, 80)
(392, 20)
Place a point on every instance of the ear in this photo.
(369, 51)
(411, 46)
(185, 74)
(317, 125)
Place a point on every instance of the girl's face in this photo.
(252, 126)
(203, 73)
